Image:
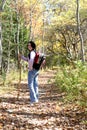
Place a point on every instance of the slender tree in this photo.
(1, 9)
(0, 44)
(79, 32)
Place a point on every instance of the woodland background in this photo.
(59, 28)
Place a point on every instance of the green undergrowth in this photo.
(6, 89)
(73, 81)
(8, 80)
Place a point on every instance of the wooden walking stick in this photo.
(19, 68)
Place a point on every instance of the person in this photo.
(32, 73)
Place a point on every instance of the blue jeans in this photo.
(33, 85)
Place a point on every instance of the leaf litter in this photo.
(50, 113)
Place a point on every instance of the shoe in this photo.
(33, 103)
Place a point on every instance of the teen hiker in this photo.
(33, 71)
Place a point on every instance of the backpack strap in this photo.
(36, 57)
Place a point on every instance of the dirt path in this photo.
(49, 114)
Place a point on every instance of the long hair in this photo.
(33, 45)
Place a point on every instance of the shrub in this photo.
(73, 81)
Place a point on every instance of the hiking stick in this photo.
(19, 83)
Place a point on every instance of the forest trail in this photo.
(49, 114)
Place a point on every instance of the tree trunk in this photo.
(80, 33)
(31, 29)
(1, 9)
(18, 25)
(0, 44)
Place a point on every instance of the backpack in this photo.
(39, 61)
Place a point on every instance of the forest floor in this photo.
(50, 113)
